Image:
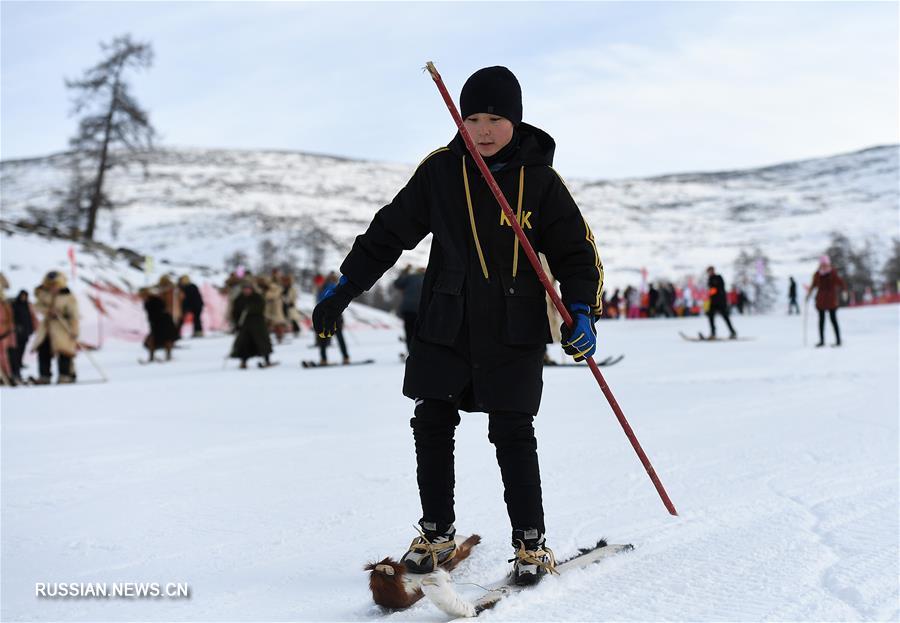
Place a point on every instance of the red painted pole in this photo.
(536, 264)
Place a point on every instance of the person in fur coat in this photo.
(289, 303)
(162, 327)
(57, 334)
(248, 318)
(173, 297)
(272, 291)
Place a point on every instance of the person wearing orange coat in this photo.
(828, 285)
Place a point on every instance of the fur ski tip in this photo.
(389, 590)
(394, 588)
(585, 550)
(438, 587)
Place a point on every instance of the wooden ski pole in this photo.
(542, 276)
(79, 347)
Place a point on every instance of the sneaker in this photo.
(431, 549)
(533, 559)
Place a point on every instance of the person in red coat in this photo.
(828, 284)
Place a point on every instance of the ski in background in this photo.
(317, 364)
(438, 587)
(605, 363)
(33, 381)
(705, 338)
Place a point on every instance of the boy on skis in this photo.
(482, 324)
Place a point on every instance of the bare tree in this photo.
(855, 263)
(236, 260)
(891, 270)
(752, 270)
(112, 119)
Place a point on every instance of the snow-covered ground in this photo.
(268, 490)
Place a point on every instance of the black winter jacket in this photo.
(482, 324)
(162, 327)
(252, 339)
(719, 298)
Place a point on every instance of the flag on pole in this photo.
(72, 260)
(148, 268)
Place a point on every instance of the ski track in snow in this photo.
(268, 490)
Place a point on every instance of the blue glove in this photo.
(581, 340)
(333, 300)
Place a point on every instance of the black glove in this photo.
(332, 302)
(581, 340)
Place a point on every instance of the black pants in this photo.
(723, 311)
(325, 341)
(45, 358)
(512, 434)
(409, 326)
(793, 307)
(832, 313)
(21, 344)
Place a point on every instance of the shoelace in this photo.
(422, 544)
(531, 557)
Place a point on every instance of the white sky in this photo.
(626, 89)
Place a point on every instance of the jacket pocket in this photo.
(526, 311)
(444, 314)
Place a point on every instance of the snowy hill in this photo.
(197, 206)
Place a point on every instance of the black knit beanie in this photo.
(492, 90)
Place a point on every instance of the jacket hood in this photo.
(536, 147)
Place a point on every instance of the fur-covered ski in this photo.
(438, 586)
(395, 589)
(145, 362)
(605, 363)
(32, 381)
(316, 364)
(708, 338)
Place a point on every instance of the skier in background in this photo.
(272, 292)
(249, 320)
(173, 297)
(718, 302)
(792, 298)
(193, 303)
(828, 285)
(162, 327)
(410, 284)
(26, 323)
(483, 322)
(289, 303)
(612, 311)
(328, 285)
(57, 334)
